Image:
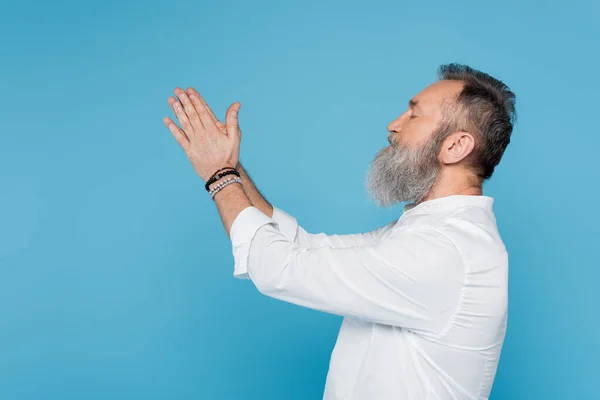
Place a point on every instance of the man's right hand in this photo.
(252, 192)
(222, 127)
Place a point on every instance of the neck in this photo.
(451, 183)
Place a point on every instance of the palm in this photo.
(230, 128)
(222, 127)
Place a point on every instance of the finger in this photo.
(168, 121)
(179, 135)
(198, 101)
(182, 117)
(221, 126)
(207, 119)
(231, 120)
(190, 110)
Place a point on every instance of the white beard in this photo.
(400, 174)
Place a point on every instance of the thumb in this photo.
(231, 119)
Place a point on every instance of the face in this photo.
(407, 169)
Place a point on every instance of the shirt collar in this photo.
(448, 203)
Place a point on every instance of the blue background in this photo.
(115, 271)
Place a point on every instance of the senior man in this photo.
(425, 297)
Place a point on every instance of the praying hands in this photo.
(209, 144)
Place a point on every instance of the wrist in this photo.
(213, 171)
(232, 189)
(218, 175)
(216, 183)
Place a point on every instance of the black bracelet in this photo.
(218, 175)
(219, 170)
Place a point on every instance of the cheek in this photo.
(409, 137)
(423, 132)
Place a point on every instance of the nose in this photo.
(396, 125)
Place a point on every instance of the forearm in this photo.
(255, 197)
(288, 224)
(230, 201)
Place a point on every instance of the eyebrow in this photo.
(413, 103)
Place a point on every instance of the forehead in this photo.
(434, 95)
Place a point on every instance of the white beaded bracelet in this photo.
(222, 185)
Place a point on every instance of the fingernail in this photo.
(192, 97)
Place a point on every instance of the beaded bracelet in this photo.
(218, 175)
(222, 185)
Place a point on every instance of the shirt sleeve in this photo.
(288, 226)
(412, 279)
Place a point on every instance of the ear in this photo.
(456, 147)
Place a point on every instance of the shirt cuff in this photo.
(288, 225)
(242, 231)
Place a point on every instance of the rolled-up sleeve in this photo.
(289, 227)
(411, 279)
(242, 231)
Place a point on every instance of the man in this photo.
(424, 297)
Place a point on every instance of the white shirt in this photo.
(425, 297)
